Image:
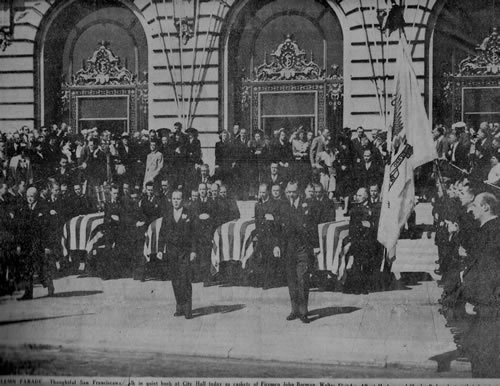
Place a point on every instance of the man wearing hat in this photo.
(154, 164)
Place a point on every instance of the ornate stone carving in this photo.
(184, 27)
(103, 68)
(487, 59)
(335, 88)
(246, 96)
(289, 63)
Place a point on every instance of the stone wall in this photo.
(363, 55)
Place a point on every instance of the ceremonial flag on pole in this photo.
(411, 145)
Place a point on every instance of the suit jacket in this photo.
(223, 156)
(193, 152)
(295, 223)
(317, 146)
(363, 238)
(66, 176)
(279, 181)
(357, 148)
(327, 211)
(371, 176)
(205, 217)
(281, 152)
(33, 227)
(150, 208)
(177, 238)
(268, 221)
(461, 154)
(228, 209)
(482, 281)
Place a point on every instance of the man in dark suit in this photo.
(481, 279)
(32, 233)
(150, 204)
(81, 203)
(57, 214)
(327, 211)
(297, 251)
(357, 144)
(203, 177)
(223, 159)
(369, 172)
(362, 233)
(63, 174)
(165, 198)
(274, 178)
(268, 232)
(204, 214)
(241, 155)
(176, 244)
(459, 148)
(228, 206)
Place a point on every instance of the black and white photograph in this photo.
(249, 192)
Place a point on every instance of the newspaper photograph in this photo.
(249, 192)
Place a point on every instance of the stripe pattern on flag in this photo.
(77, 232)
(332, 250)
(152, 236)
(232, 241)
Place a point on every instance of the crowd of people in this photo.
(465, 210)
(51, 175)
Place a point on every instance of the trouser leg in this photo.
(291, 275)
(186, 287)
(302, 273)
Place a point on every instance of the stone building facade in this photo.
(200, 62)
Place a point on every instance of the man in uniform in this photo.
(268, 232)
(297, 251)
(33, 232)
(176, 245)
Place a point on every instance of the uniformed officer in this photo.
(177, 246)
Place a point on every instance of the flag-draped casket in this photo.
(333, 246)
(232, 241)
(79, 232)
